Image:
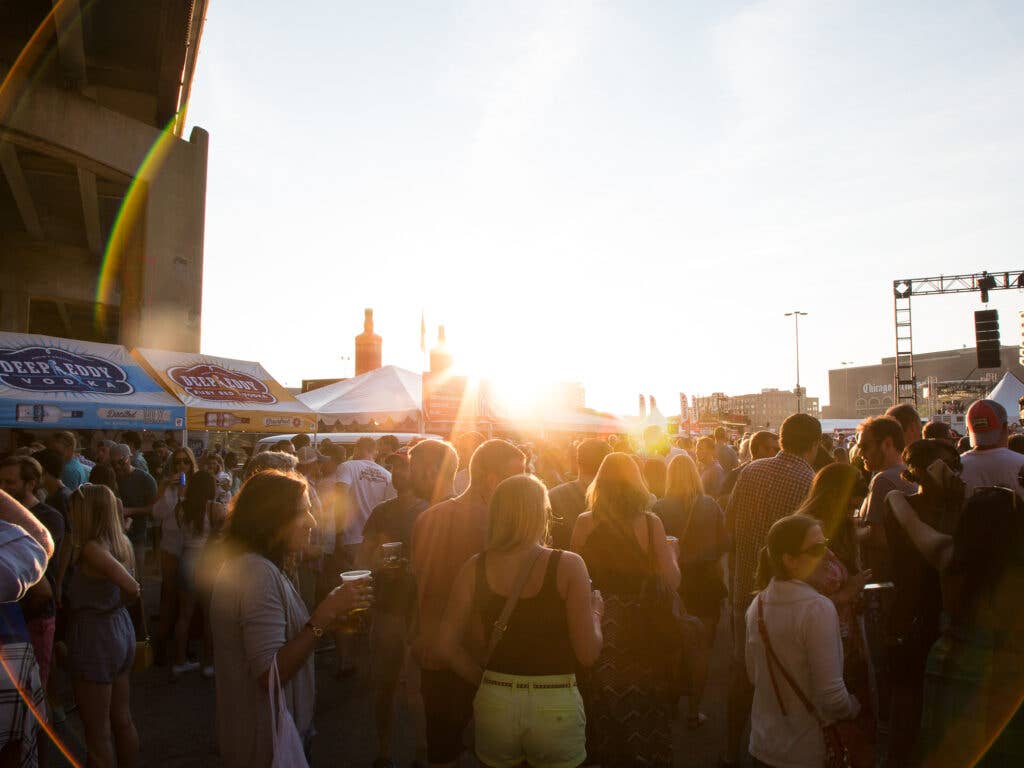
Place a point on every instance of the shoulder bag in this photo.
(836, 755)
(672, 634)
(284, 736)
(501, 623)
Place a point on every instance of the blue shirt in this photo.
(74, 474)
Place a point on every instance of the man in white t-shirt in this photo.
(990, 462)
(362, 485)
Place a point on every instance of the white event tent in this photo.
(1008, 393)
(388, 397)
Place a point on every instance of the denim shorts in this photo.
(536, 720)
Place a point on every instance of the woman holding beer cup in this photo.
(258, 617)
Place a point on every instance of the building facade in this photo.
(867, 390)
(766, 409)
(102, 198)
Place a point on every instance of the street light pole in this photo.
(795, 314)
(846, 383)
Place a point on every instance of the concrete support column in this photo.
(171, 279)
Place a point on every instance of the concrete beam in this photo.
(72, 128)
(19, 187)
(67, 17)
(90, 209)
(173, 27)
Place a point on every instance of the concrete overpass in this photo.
(92, 106)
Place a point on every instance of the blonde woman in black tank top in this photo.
(527, 709)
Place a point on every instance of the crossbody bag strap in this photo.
(774, 659)
(501, 624)
(652, 560)
(689, 521)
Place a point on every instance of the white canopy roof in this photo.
(388, 392)
(1008, 393)
(830, 425)
(578, 421)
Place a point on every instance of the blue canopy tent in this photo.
(52, 383)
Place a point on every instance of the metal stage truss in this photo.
(905, 382)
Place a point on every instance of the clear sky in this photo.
(620, 193)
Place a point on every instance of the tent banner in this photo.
(456, 399)
(53, 383)
(224, 395)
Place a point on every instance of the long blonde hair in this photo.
(618, 494)
(94, 516)
(683, 480)
(520, 512)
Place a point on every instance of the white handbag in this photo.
(288, 751)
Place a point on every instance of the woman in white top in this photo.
(802, 630)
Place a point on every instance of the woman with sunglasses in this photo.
(170, 494)
(837, 492)
(793, 632)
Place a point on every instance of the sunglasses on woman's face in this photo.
(816, 550)
(182, 460)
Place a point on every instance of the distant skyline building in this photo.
(859, 391)
(766, 409)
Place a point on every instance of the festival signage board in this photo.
(225, 395)
(53, 383)
(456, 399)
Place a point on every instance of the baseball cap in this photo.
(119, 451)
(307, 455)
(985, 422)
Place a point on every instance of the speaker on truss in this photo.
(986, 335)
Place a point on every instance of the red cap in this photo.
(985, 422)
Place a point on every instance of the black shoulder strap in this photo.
(774, 660)
(501, 625)
(551, 571)
(652, 559)
(689, 521)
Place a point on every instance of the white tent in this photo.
(386, 394)
(583, 422)
(1008, 393)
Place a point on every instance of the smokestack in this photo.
(368, 346)
(440, 358)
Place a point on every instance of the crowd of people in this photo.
(558, 601)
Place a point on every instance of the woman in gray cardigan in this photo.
(256, 614)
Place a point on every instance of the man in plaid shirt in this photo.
(767, 489)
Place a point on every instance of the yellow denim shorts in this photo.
(536, 720)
